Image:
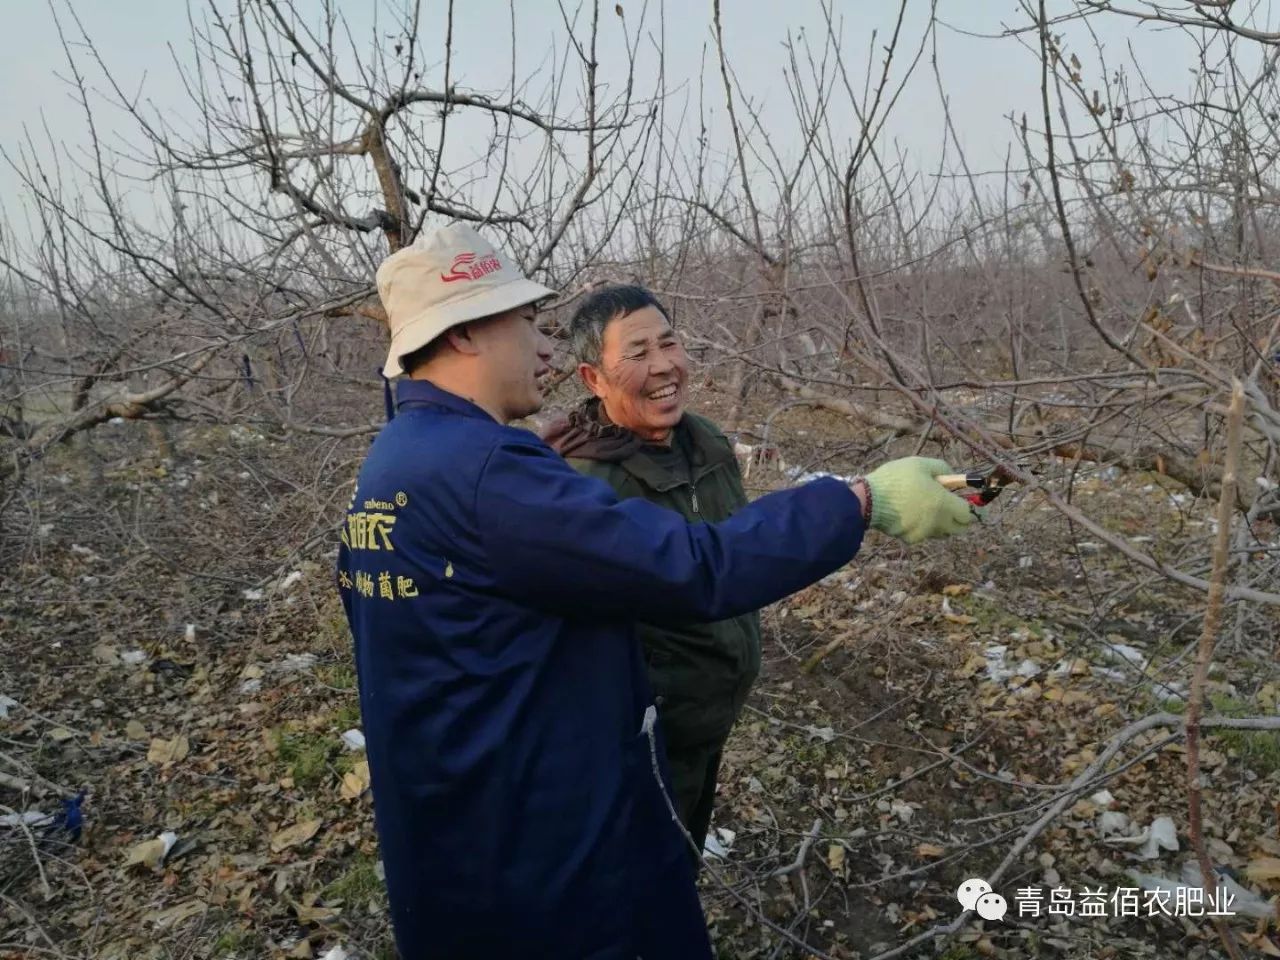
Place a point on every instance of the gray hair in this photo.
(599, 309)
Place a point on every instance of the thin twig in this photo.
(803, 853)
(650, 722)
(1204, 655)
(35, 850)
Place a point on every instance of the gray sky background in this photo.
(985, 80)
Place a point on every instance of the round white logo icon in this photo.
(970, 891)
(991, 906)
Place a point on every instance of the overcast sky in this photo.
(985, 79)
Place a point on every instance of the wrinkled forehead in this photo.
(636, 329)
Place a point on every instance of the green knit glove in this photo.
(908, 503)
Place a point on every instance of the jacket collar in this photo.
(702, 445)
(587, 434)
(424, 393)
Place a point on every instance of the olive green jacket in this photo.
(701, 673)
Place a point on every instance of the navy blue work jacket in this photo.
(491, 590)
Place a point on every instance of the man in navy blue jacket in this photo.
(491, 591)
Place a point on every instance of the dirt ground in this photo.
(173, 646)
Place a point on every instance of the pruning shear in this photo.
(985, 485)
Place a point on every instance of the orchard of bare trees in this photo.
(1081, 694)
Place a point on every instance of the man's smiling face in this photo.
(642, 374)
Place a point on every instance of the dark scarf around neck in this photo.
(588, 434)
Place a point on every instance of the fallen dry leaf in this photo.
(1268, 696)
(135, 731)
(167, 918)
(313, 913)
(835, 858)
(1264, 868)
(165, 752)
(1262, 943)
(292, 836)
(926, 850)
(148, 854)
(356, 781)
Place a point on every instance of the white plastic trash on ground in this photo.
(1161, 835)
(719, 842)
(1237, 900)
(28, 818)
(353, 740)
(296, 662)
(796, 475)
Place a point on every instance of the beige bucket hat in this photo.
(443, 279)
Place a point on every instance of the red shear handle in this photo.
(956, 482)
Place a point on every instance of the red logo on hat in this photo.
(465, 266)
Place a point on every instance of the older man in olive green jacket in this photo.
(635, 434)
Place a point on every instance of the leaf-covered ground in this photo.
(174, 647)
